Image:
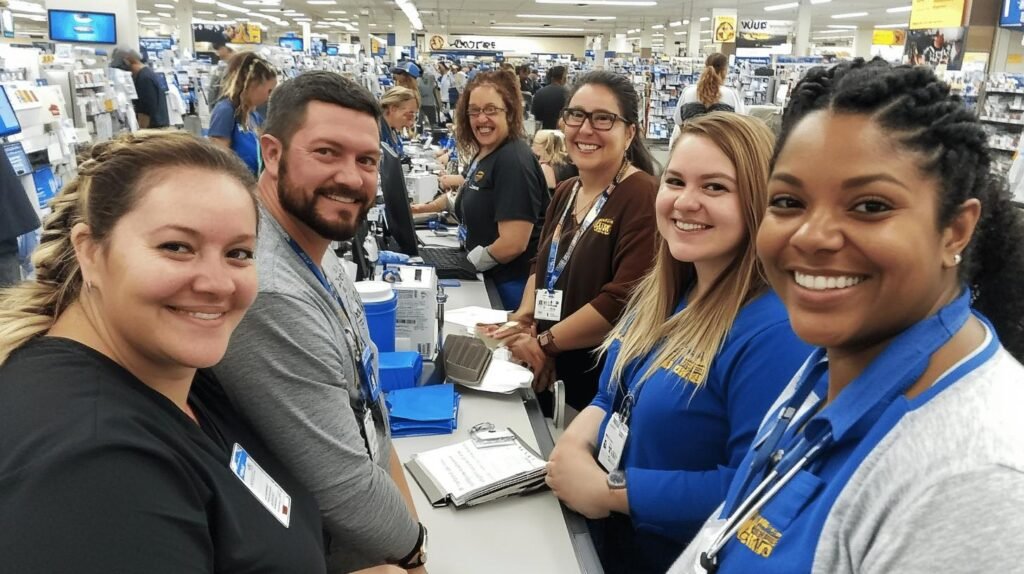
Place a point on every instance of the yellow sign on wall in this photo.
(889, 37)
(723, 26)
(936, 14)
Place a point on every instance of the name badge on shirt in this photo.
(370, 428)
(371, 375)
(614, 442)
(261, 485)
(549, 305)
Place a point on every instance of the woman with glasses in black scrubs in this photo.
(502, 200)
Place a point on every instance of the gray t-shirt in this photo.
(291, 371)
(943, 491)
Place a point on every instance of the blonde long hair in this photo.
(554, 147)
(690, 340)
(245, 69)
(111, 180)
(712, 78)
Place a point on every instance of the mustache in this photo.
(343, 191)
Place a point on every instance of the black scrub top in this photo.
(99, 473)
(507, 185)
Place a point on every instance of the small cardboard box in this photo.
(416, 326)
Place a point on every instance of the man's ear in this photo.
(272, 150)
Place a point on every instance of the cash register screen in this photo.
(8, 120)
(46, 185)
(18, 158)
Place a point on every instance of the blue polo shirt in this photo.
(685, 443)
(244, 142)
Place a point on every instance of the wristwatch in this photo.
(617, 479)
(418, 557)
(547, 343)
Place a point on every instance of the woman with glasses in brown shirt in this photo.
(597, 241)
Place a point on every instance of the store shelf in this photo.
(999, 148)
(998, 121)
(1021, 92)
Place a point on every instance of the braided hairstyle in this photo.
(112, 177)
(245, 69)
(919, 112)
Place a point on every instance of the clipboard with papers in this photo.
(472, 472)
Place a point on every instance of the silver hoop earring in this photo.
(957, 259)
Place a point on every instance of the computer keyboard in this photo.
(465, 359)
(450, 262)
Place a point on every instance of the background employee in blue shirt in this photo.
(901, 445)
(234, 121)
(700, 356)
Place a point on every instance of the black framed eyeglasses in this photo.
(489, 111)
(603, 121)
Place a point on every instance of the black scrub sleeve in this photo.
(103, 509)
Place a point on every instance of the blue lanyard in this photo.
(394, 140)
(364, 359)
(858, 406)
(555, 271)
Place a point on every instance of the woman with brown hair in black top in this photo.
(597, 241)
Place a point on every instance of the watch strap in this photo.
(416, 558)
(547, 343)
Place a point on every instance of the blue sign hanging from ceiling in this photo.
(1010, 15)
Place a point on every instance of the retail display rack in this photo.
(1002, 112)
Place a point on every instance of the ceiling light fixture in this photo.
(203, 12)
(164, 15)
(820, 1)
(143, 11)
(167, 6)
(893, 26)
(232, 8)
(777, 7)
(321, 2)
(658, 27)
(849, 15)
(337, 12)
(675, 24)
(679, 33)
(600, 2)
(537, 29)
(565, 17)
(842, 26)
(899, 9)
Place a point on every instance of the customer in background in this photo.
(429, 97)
(114, 445)
(503, 198)
(224, 53)
(710, 94)
(526, 83)
(406, 75)
(151, 103)
(549, 147)
(597, 241)
(17, 217)
(234, 122)
(399, 113)
(701, 354)
(460, 81)
(903, 263)
(446, 84)
(549, 101)
(302, 366)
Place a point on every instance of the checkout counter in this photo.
(532, 533)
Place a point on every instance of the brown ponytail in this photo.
(711, 79)
(245, 69)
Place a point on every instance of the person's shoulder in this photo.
(224, 105)
(642, 182)
(765, 312)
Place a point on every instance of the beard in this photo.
(303, 208)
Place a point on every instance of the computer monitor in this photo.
(293, 44)
(15, 153)
(46, 185)
(93, 27)
(9, 123)
(332, 49)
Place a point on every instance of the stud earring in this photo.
(957, 259)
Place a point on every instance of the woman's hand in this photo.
(526, 348)
(578, 481)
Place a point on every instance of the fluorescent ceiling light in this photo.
(303, 19)
(633, 39)
(842, 26)
(275, 10)
(337, 12)
(536, 29)
(203, 12)
(657, 35)
(222, 15)
(232, 8)
(658, 27)
(705, 31)
(168, 6)
(894, 26)
(833, 32)
(633, 31)
(564, 17)
(899, 9)
(820, 1)
(205, 1)
(321, 2)
(705, 19)
(678, 33)
(849, 15)
(675, 24)
(601, 2)
(777, 7)
(163, 14)
(143, 11)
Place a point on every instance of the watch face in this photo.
(617, 479)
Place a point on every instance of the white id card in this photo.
(371, 434)
(261, 485)
(549, 305)
(615, 435)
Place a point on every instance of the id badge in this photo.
(370, 428)
(371, 377)
(463, 234)
(549, 305)
(261, 485)
(614, 443)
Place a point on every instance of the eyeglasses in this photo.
(602, 121)
(489, 111)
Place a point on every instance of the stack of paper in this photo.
(420, 411)
(467, 475)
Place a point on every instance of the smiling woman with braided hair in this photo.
(899, 447)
